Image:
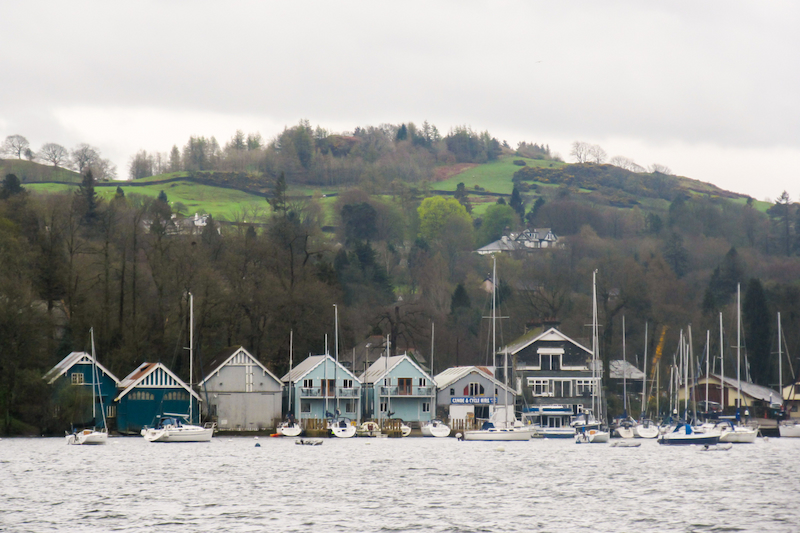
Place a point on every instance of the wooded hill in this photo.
(397, 257)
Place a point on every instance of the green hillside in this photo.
(31, 172)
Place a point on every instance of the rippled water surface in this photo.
(411, 484)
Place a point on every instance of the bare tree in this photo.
(661, 169)
(30, 155)
(597, 154)
(626, 163)
(55, 154)
(84, 156)
(141, 165)
(15, 145)
(104, 169)
(580, 151)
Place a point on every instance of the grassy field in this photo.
(494, 177)
(221, 203)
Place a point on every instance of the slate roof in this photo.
(310, 363)
(551, 334)
(631, 371)
(383, 366)
(757, 392)
(228, 354)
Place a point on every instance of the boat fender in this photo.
(459, 436)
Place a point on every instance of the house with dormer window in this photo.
(467, 392)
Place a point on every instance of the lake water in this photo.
(385, 485)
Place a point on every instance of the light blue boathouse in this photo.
(150, 391)
(73, 380)
(396, 387)
(320, 387)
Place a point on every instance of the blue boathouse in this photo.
(320, 386)
(396, 387)
(150, 391)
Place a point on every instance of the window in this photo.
(212, 410)
(550, 361)
(308, 383)
(347, 383)
(383, 407)
(452, 392)
(305, 407)
(387, 382)
(349, 406)
(141, 395)
(583, 387)
(77, 378)
(426, 407)
(176, 396)
(474, 389)
(328, 386)
(111, 411)
(404, 385)
(423, 382)
(540, 387)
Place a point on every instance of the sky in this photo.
(710, 89)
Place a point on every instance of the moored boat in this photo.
(87, 436)
(435, 428)
(342, 428)
(170, 428)
(789, 428)
(368, 429)
(289, 429)
(592, 436)
(686, 435)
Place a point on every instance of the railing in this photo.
(317, 392)
(406, 391)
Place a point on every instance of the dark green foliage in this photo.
(359, 221)
(460, 298)
(516, 203)
(162, 197)
(530, 217)
(676, 255)
(11, 187)
(520, 162)
(278, 200)
(653, 224)
(119, 193)
(402, 133)
(594, 177)
(88, 199)
(757, 320)
(363, 279)
(462, 197)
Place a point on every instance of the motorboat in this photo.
(342, 428)
(435, 428)
(289, 429)
(308, 442)
(87, 436)
(368, 429)
(552, 432)
(626, 444)
(789, 428)
(593, 436)
(171, 428)
(736, 433)
(684, 434)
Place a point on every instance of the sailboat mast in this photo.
(594, 343)
(738, 349)
(94, 376)
(494, 312)
(291, 351)
(191, 351)
(644, 377)
(708, 357)
(721, 366)
(693, 369)
(336, 356)
(780, 355)
(624, 373)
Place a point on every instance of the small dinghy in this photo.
(626, 444)
(308, 442)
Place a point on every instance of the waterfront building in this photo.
(468, 392)
(150, 391)
(319, 387)
(552, 370)
(72, 380)
(755, 398)
(397, 387)
(240, 392)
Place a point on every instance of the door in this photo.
(404, 386)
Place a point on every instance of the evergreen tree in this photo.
(757, 320)
(88, 198)
(278, 200)
(11, 187)
(460, 299)
(516, 203)
(402, 133)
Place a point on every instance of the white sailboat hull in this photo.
(290, 430)
(593, 436)
(646, 432)
(179, 434)
(88, 437)
(343, 432)
(624, 432)
(498, 434)
(739, 434)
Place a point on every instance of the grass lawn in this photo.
(221, 203)
(494, 177)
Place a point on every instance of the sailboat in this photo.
(434, 428)
(625, 424)
(590, 431)
(734, 430)
(290, 427)
(177, 427)
(92, 436)
(509, 428)
(645, 429)
(338, 425)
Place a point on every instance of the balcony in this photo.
(407, 391)
(317, 392)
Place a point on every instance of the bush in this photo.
(520, 162)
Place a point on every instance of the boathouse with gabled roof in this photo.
(397, 387)
(240, 392)
(552, 369)
(73, 380)
(467, 392)
(319, 387)
(150, 391)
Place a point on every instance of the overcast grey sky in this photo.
(710, 89)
